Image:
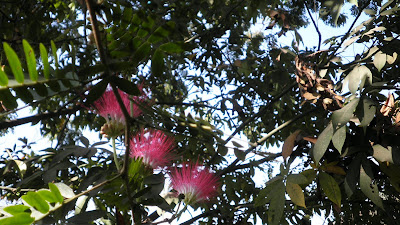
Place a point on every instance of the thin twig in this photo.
(263, 139)
(315, 26)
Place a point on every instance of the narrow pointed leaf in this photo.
(339, 138)
(54, 51)
(14, 62)
(30, 60)
(45, 61)
(15, 209)
(157, 63)
(322, 143)
(369, 189)
(3, 78)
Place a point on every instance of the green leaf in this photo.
(16, 209)
(342, 116)
(240, 154)
(54, 51)
(18, 219)
(379, 60)
(57, 194)
(141, 53)
(264, 196)
(96, 91)
(159, 34)
(126, 86)
(297, 179)
(171, 48)
(322, 143)
(36, 201)
(24, 94)
(382, 154)
(330, 188)
(8, 100)
(356, 78)
(30, 60)
(296, 194)
(65, 190)
(352, 176)
(157, 63)
(48, 196)
(338, 138)
(368, 112)
(277, 204)
(369, 189)
(3, 78)
(14, 62)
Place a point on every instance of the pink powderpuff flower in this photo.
(154, 147)
(107, 105)
(195, 182)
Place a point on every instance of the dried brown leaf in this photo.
(288, 145)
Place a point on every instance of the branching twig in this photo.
(262, 140)
(315, 26)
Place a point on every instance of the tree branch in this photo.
(36, 118)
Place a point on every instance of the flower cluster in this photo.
(154, 147)
(195, 182)
(108, 107)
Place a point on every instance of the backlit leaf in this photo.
(54, 52)
(330, 188)
(342, 116)
(36, 201)
(3, 78)
(30, 60)
(296, 194)
(322, 143)
(14, 62)
(379, 60)
(171, 48)
(288, 145)
(56, 192)
(18, 219)
(15, 209)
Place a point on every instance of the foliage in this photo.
(209, 79)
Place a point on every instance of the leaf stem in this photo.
(115, 154)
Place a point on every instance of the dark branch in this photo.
(36, 118)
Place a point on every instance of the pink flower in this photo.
(107, 105)
(153, 146)
(195, 182)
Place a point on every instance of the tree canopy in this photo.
(170, 85)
